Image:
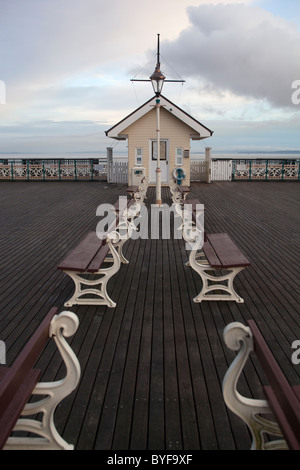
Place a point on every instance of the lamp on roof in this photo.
(157, 78)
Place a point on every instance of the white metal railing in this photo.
(117, 171)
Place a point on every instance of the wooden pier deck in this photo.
(152, 367)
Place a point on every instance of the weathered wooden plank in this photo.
(116, 347)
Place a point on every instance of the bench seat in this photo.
(138, 193)
(222, 253)
(132, 189)
(179, 192)
(87, 256)
(16, 401)
(183, 189)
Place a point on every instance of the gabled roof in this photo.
(201, 131)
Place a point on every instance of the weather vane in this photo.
(157, 78)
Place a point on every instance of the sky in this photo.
(66, 70)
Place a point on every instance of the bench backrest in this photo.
(19, 380)
(283, 399)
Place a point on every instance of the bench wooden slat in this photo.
(286, 424)
(123, 206)
(183, 189)
(296, 389)
(132, 189)
(112, 227)
(95, 264)
(83, 254)
(226, 251)
(14, 408)
(211, 255)
(285, 401)
(192, 202)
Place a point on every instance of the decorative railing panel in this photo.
(117, 172)
(59, 170)
(266, 170)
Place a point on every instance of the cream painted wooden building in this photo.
(177, 129)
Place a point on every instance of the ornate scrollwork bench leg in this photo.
(63, 325)
(125, 228)
(212, 283)
(239, 338)
(176, 195)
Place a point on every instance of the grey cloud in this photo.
(239, 48)
(46, 41)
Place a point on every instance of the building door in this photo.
(164, 161)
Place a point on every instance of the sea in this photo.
(101, 156)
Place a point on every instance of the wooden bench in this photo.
(184, 190)
(138, 193)
(132, 190)
(215, 257)
(219, 261)
(179, 193)
(196, 208)
(282, 399)
(191, 213)
(21, 380)
(98, 257)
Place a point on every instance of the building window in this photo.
(178, 156)
(138, 156)
(163, 150)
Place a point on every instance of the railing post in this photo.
(27, 164)
(75, 169)
(267, 170)
(12, 170)
(208, 164)
(43, 163)
(92, 170)
(109, 161)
